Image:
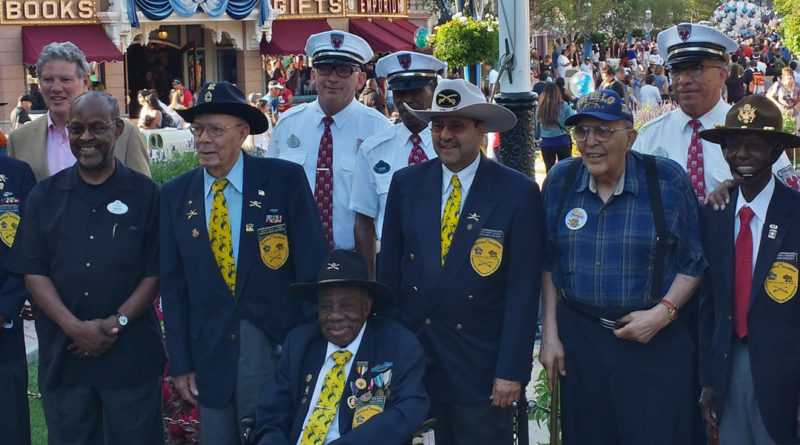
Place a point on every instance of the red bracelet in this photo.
(671, 309)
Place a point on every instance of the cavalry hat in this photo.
(459, 98)
(225, 98)
(605, 105)
(688, 42)
(345, 268)
(407, 70)
(753, 114)
(339, 48)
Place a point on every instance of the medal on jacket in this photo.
(361, 368)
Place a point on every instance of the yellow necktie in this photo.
(452, 210)
(219, 233)
(332, 387)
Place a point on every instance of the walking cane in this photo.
(554, 415)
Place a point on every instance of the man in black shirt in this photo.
(88, 247)
(19, 115)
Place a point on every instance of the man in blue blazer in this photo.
(461, 246)
(17, 180)
(749, 311)
(383, 398)
(234, 234)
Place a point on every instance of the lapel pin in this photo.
(249, 228)
(773, 231)
(474, 216)
(189, 202)
(195, 233)
(255, 204)
(261, 193)
(352, 401)
(308, 378)
(191, 213)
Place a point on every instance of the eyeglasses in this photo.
(342, 71)
(601, 132)
(694, 70)
(97, 128)
(213, 130)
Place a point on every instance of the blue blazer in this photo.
(474, 328)
(773, 328)
(19, 181)
(284, 406)
(201, 319)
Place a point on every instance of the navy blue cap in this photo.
(605, 105)
(225, 98)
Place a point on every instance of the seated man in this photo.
(749, 330)
(350, 378)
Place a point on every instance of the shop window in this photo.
(226, 65)
(195, 33)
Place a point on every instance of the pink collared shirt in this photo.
(58, 153)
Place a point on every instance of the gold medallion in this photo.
(361, 383)
(781, 282)
(9, 221)
(485, 256)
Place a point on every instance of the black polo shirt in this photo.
(96, 243)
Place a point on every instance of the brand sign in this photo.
(47, 12)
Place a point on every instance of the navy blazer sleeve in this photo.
(523, 284)
(392, 241)
(276, 406)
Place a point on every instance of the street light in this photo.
(648, 23)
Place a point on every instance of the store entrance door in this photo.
(152, 67)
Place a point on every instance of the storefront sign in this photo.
(47, 12)
(302, 9)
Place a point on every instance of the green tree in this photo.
(790, 25)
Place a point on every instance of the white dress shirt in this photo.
(759, 206)
(466, 176)
(327, 365)
(371, 183)
(296, 138)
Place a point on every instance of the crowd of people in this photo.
(363, 277)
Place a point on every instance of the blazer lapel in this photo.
(255, 179)
(769, 247)
(307, 381)
(723, 231)
(477, 209)
(429, 219)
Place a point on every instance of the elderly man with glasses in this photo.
(324, 136)
(623, 256)
(235, 232)
(697, 59)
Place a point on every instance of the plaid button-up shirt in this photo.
(607, 250)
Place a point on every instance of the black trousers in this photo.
(471, 423)
(619, 392)
(549, 155)
(15, 422)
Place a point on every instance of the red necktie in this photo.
(743, 272)
(694, 162)
(323, 191)
(417, 154)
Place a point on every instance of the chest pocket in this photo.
(382, 182)
(292, 155)
(126, 245)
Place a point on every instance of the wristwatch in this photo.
(123, 320)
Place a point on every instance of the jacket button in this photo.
(427, 321)
(458, 326)
(91, 236)
(88, 264)
(470, 297)
(233, 337)
(730, 318)
(411, 255)
(725, 355)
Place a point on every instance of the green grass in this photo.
(38, 427)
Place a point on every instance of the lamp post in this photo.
(648, 23)
(587, 42)
(516, 145)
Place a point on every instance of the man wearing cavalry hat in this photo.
(412, 77)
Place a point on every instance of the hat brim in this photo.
(409, 83)
(692, 57)
(572, 120)
(337, 59)
(382, 296)
(496, 117)
(717, 135)
(254, 118)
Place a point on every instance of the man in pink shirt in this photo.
(44, 143)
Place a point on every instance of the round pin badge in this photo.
(293, 141)
(117, 207)
(576, 218)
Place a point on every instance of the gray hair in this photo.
(110, 101)
(66, 51)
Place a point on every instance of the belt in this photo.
(604, 322)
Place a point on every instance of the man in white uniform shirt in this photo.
(696, 59)
(324, 136)
(412, 79)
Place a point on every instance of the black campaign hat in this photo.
(225, 98)
(345, 268)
